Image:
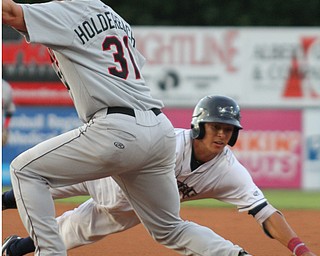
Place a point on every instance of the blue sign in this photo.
(32, 125)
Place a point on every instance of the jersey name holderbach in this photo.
(99, 23)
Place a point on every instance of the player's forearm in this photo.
(12, 15)
(280, 230)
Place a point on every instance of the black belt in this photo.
(128, 111)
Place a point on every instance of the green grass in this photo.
(294, 199)
(281, 199)
(76, 199)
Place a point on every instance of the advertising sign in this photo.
(260, 67)
(269, 67)
(32, 125)
(270, 146)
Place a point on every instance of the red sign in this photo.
(38, 93)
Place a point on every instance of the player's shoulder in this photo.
(234, 166)
(229, 158)
(60, 9)
(76, 6)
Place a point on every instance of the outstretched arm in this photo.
(12, 15)
(279, 229)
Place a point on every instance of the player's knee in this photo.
(167, 235)
(17, 163)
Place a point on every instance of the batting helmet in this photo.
(218, 109)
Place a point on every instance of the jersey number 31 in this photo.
(119, 57)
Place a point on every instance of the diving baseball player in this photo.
(125, 135)
(8, 109)
(205, 168)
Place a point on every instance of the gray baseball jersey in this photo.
(97, 49)
(108, 210)
(92, 49)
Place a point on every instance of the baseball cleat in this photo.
(7, 242)
(244, 253)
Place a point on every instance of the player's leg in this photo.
(88, 153)
(154, 195)
(91, 222)
(34, 201)
(17, 246)
(70, 158)
(9, 201)
(83, 225)
(107, 212)
(158, 208)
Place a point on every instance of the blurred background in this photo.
(264, 54)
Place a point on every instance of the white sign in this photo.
(259, 67)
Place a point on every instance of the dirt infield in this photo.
(237, 227)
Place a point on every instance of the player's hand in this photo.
(5, 136)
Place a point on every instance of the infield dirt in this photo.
(240, 228)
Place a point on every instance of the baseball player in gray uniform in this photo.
(205, 168)
(8, 109)
(124, 135)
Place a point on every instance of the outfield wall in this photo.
(273, 73)
(275, 151)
